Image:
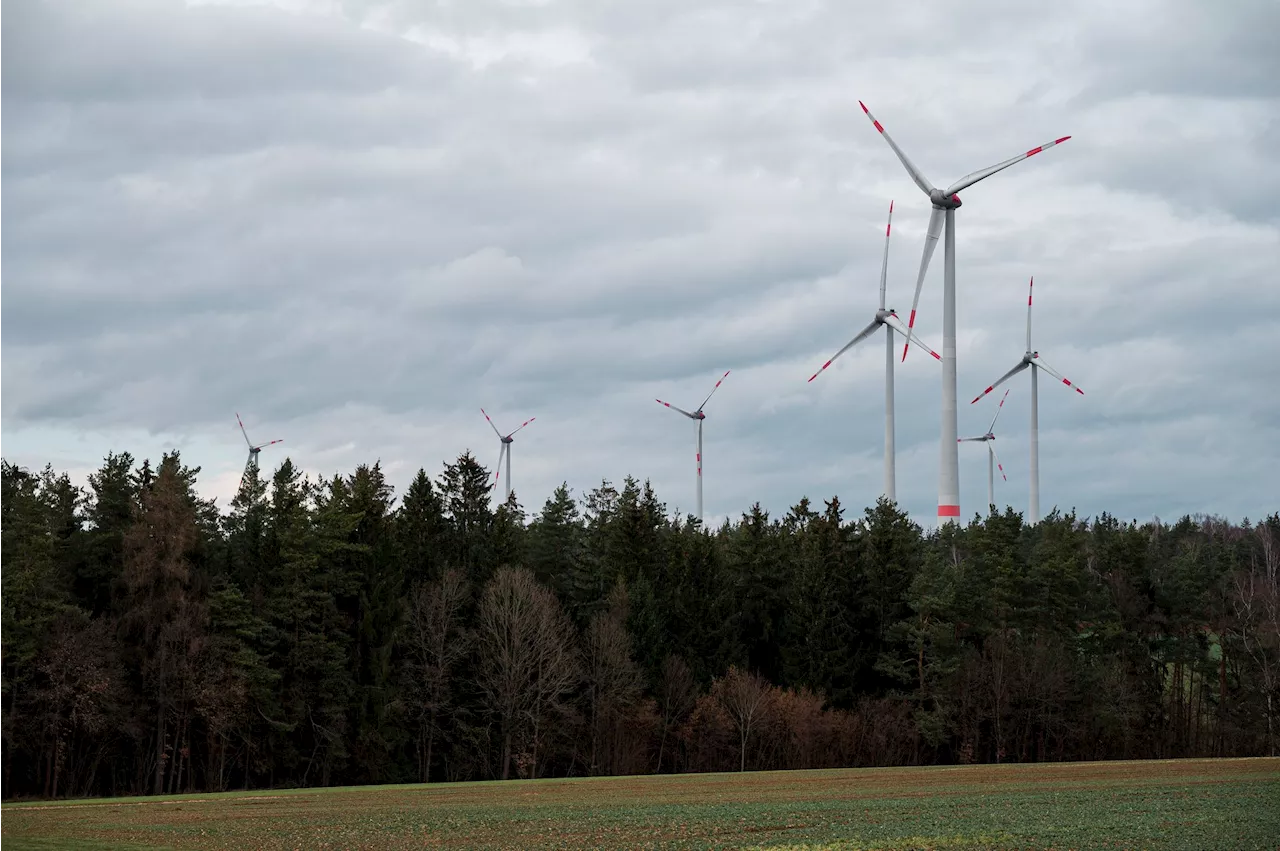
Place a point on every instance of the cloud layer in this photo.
(356, 223)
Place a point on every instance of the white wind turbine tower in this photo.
(253, 450)
(505, 451)
(888, 319)
(992, 460)
(945, 203)
(1032, 359)
(699, 416)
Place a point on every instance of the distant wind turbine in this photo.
(1032, 359)
(505, 451)
(992, 460)
(253, 450)
(699, 416)
(890, 321)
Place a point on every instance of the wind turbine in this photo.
(888, 319)
(992, 460)
(1032, 359)
(945, 203)
(699, 416)
(253, 450)
(505, 451)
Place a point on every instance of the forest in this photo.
(326, 632)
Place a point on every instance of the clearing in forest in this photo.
(1184, 804)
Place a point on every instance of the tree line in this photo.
(319, 632)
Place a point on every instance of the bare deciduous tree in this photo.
(677, 695)
(436, 641)
(528, 660)
(745, 697)
(1256, 600)
(614, 680)
(80, 680)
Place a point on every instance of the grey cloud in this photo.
(147, 50)
(1223, 50)
(361, 239)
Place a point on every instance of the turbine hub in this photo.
(882, 315)
(699, 416)
(508, 439)
(944, 202)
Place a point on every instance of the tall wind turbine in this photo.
(888, 319)
(1032, 359)
(945, 203)
(505, 451)
(699, 416)
(253, 450)
(992, 460)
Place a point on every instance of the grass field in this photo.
(1186, 804)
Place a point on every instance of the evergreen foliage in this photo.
(320, 633)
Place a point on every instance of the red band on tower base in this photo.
(948, 511)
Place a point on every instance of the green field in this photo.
(1190, 804)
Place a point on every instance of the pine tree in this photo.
(33, 595)
(761, 576)
(109, 514)
(245, 530)
(466, 490)
(822, 649)
(556, 552)
(421, 531)
(374, 609)
(164, 618)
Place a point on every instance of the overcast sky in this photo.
(357, 222)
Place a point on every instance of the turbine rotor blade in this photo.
(862, 335)
(523, 424)
(967, 439)
(925, 186)
(936, 222)
(674, 408)
(1042, 365)
(970, 179)
(884, 264)
(497, 473)
(269, 443)
(714, 389)
(999, 408)
(491, 425)
(1019, 368)
(242, 431)
(1029, 289)
(895, 323)
(991, 447)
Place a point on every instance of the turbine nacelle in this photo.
(943, 201)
